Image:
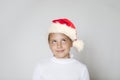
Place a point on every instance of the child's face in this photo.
(60, 45)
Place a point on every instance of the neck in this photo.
(64, 57)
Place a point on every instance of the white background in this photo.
(23, 35)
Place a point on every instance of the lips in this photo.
(59, 51)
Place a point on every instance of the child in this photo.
(62, 36)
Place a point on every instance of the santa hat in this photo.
(66, 27)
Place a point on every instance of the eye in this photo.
(53, 41)
(63, 40)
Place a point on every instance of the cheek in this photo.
(52, 47)
(67, 46)
(70, 44)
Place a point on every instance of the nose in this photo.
(59, 45)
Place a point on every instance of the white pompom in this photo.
(79, 44)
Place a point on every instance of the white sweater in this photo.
(61, 69)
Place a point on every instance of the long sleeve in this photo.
(36, 73)
(85, 75)
(61, 69)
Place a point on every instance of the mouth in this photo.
(59, 51)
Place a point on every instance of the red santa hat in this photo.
(66, 27)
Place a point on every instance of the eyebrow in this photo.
(61, 39)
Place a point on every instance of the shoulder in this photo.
(80, 65)
(42, 63)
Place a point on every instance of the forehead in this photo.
(57, 35)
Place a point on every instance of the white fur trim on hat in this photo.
(79, 44)
(58, 28)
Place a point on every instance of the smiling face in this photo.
(60, 45)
